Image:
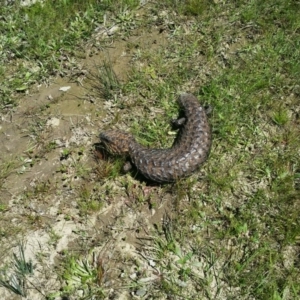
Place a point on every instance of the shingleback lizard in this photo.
(190, 148)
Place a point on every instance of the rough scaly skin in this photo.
(190, 149)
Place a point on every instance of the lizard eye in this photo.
(104, 138)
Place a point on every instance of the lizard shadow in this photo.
(101, 154)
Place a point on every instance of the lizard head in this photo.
(116, 141)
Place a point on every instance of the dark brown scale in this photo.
(190, 149)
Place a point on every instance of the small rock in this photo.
(141, 292)
(64, 88)
(112, 30)
(53, 122)
(152, 263)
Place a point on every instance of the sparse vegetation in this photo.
(106, 82)
(84, 275)
(230, 231)
(15, 278)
